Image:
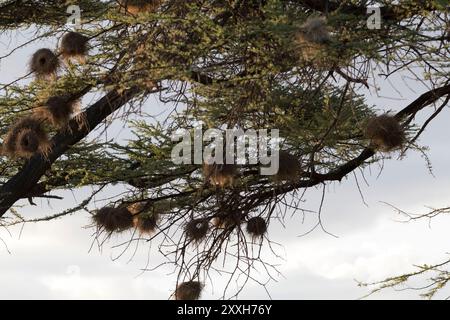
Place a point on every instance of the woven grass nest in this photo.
(44, 64)
(385, 132)
(135, 7)
(26, 138)
(147, 222)
(228, 220)
(190, 290)
(113, 219)
(289, 167)
(221, 175)
(197, 229)
(74, 46)
(311, 40)
(57, 110)
(146, 215)
(256, 226)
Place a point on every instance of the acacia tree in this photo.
(299, 66)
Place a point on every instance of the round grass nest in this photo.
(227, 220)
(44, 63)
(385, 133)
(311, 39)
(190, 290)
(221, 175)
(289, 167)
(256, 226)
(57, 110)
(74, 46)
(113, 219)
(26, 138)
(315, 30)
(135, 7)
(146, 222)
(197, 229)
(147, 214)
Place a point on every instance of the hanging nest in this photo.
(145, 217)
(146, 222)
(311, 41)
(26, 138)
(256, 226)
(189, 290)
(221, 175)
(289, 167)
(197, 229)
(228, 220)
(137, 208)
(74, 46)
(315, 30)
(146, 214)
(57, 110)
(385, 132)
(135, 7)
(113, 219)
(44, 63)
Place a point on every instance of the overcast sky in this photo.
(52, 260)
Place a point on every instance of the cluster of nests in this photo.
(27, 136)
(45, 63)
(145, 217)
(196, 230)
(140, 215)
(135, 7)
(385, 133)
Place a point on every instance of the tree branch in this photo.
(340, 172)
(21, 184)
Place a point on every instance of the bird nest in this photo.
(44, 64)
(113, 219)
(197, 229)
(26, 138)
(385, 132)
(74, 46)
(57, 110)
(221, 175)
(256, 226)
(190, 290)
(135, 7)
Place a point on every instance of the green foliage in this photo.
(235, 64)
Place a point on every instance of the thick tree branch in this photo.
(423, 101)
